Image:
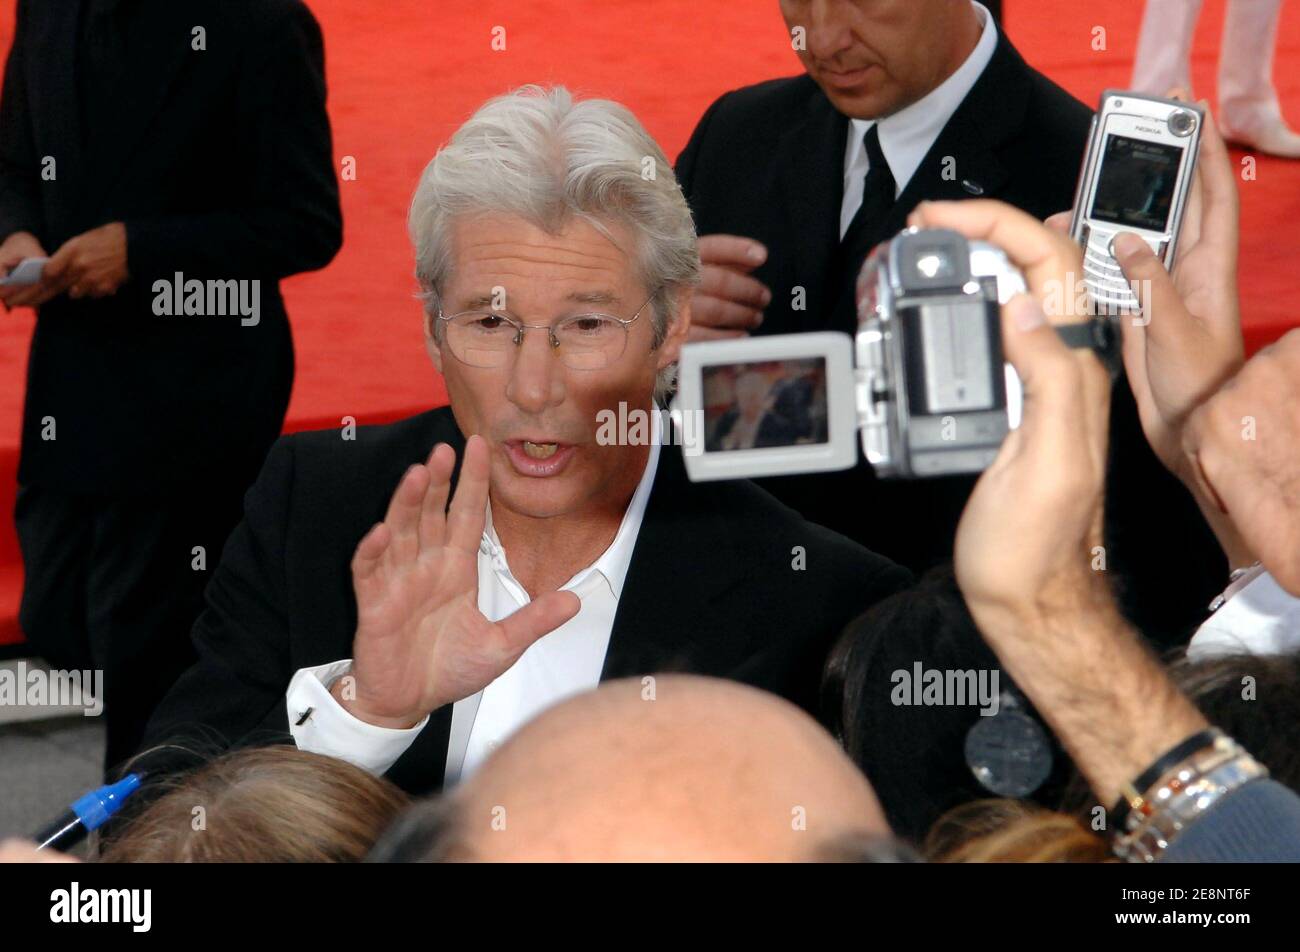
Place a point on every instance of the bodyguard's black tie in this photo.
(864, 230)
(877, 191)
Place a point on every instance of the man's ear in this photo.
(671, 348)
(431, 341)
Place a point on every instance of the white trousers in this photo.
(1245, 56)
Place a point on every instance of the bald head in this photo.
(672, 768)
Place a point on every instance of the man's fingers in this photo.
(1043, 255)
(468, 512)
(1162, 306)
(539, 617)
(732, 285)
(32, 296)
(722, 314)
(696, 334)
(433, 514)
(1221, 205)
(1058, 390)
(1060, 222)
(60, 262)
(732, 251)
(403, 516)
(370, 554)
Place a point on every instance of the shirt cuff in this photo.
(326, 728)
(1261, 618)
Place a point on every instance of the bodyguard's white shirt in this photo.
(907, 136)
(565, 662)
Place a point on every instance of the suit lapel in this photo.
(673, 613)
(989, 115)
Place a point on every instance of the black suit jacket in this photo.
(219, 163)
(712, 588)
(767, 162)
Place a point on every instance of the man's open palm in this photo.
(421, 640)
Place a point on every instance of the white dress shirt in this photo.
(1257, 616)
(907, 136)
(565, 662)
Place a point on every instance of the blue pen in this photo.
(87, 813)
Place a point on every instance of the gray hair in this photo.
(538, 155)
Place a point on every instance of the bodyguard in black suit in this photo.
(768, 162)
(161, 153)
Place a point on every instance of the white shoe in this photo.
(1264, 132)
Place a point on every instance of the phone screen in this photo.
(1136, 187)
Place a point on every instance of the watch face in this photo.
(1009, 753)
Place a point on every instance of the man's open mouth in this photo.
(540, 450)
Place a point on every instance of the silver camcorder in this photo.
(936, 395)
(923, 384)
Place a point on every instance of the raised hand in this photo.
(1189, 339)
(1024, 544)
(421, 640)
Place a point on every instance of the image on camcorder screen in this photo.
(1137, 183)
(766, 404)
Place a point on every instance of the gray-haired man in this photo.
(357, 612)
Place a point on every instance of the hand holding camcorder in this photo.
(924, 385)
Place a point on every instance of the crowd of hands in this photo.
(1228, 428)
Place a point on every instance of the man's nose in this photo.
(537, 378)
(828, 29)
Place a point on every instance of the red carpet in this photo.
(404, 73)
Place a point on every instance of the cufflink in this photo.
(975, 188)
(302, 718)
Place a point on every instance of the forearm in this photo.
(1104, 694)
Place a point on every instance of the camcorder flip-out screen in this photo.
(760, 405)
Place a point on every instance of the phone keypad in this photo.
(1107, 286)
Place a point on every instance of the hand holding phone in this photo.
(1137, 177)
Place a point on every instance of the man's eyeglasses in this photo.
(583, 341)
